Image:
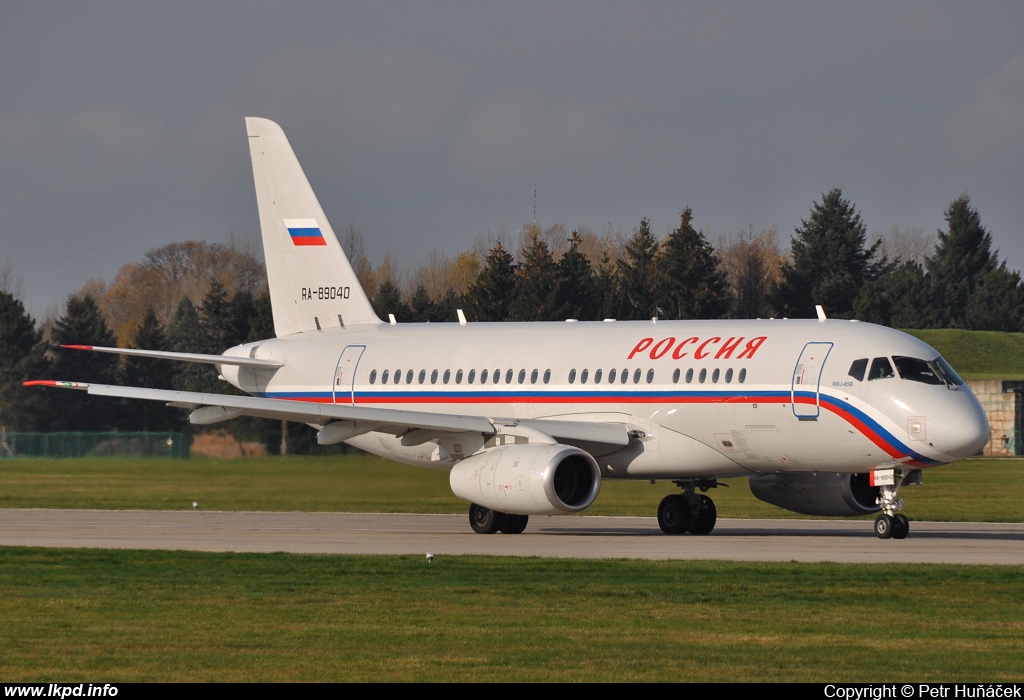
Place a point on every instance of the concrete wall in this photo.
(1002, 405)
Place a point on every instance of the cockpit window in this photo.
(858, 368)
(880, 369)
(937, 371)
(917, 370)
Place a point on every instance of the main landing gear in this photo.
(688, 511)
(486, 521)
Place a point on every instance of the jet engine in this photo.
(818, 494)
(529, 479)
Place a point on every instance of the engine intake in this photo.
(529, 479)
(818, 494)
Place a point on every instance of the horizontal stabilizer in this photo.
(183, 356)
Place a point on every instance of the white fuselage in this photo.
(709, 398)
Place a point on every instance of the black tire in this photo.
(705, 518)
(883, 526)
(512, 524)
(673, 515)
(900, 526)
(483, 520)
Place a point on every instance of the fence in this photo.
(113, 444)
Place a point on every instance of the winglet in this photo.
(56, 383)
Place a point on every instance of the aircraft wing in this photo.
(212, 408)
(183, 356)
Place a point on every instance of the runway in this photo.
(575, 537)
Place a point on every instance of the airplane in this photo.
(824, 417)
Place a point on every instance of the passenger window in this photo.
(597, 377)
(433, 377)
(458, 377)
(423, 376)
(408, 377)
(583, 376)
(533, 376)
(384, 377)
(572, 376)
(714, 376)
(675, 376)
(880, 369)
(522, 376)
(483, 377)
(703, 375)
(398, 376)
(373, 376)
(636, 377)
(858, 368)
(472, 375)
(447, 375)
(497, 376)
(508, 377)
(743, 375)
(728, 376)
(611, 376)
(650, 375)
(625, 376)
(547, 376)
(689, 375)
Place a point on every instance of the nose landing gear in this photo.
(890, 523)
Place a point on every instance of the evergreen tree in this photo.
(388, 300)
(215, 321)
(185, 334)
(896, 298)
(688, 281)
(22, 357)
(831, 261)
(82, 324)
(537, 283)
(638, 300)
(963, 256)
(421, 306)
(997, 302)
(152, 374)
(489, 297)
(446, 310)
(577, 292)
(241, 312)
(261, 323)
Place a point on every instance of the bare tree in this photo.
(752, 264)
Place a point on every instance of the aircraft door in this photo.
(345, 374)
(807, 380)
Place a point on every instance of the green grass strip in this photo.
(98, 615)
(989, 490)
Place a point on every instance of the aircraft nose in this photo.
(961, 429)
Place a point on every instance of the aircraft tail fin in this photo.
(312, 284)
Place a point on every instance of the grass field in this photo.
(978, 354)
(972, 490)
(185, 616)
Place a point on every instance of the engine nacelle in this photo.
(818, 494)
(529, 479)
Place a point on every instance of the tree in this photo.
(537, 283)
(388, 300)
(185, 334)
(752, 266)
(421, 307)
(577, 292)
(82, 324)
(963, 256)
(831, 261)
(688, 281)
(997, 302)
(149, 373)
(898, 297)
(21, 358)
(488, 298)
(638, 300)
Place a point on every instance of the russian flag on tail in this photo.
(304, 232)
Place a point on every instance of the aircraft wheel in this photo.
(900, 526)
(483, 520)
(673, 515)
(513, 524)
(884, 526)
(706, 517)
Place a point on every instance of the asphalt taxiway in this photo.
(576, 537)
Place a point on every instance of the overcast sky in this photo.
(426, 124)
